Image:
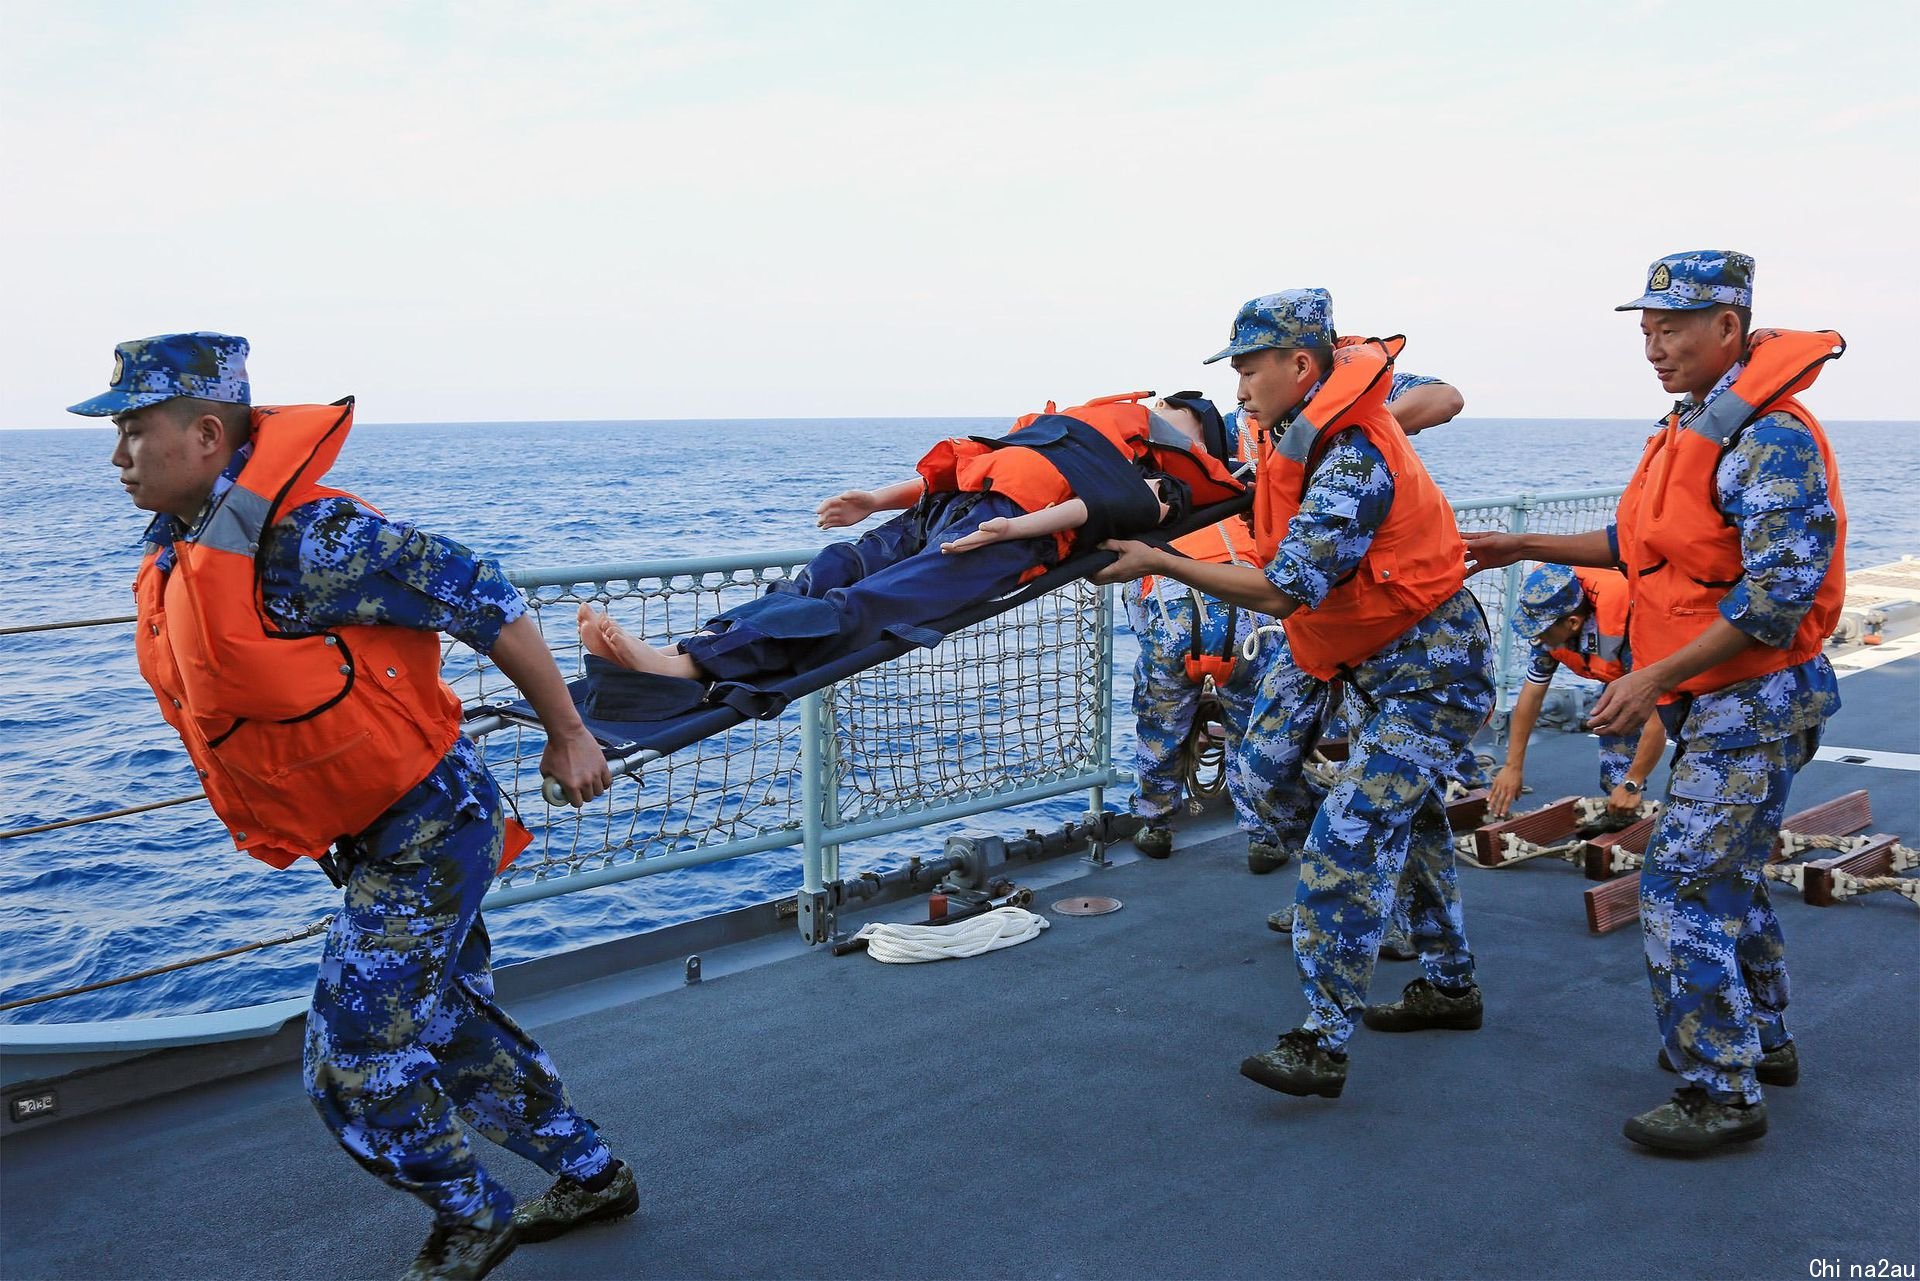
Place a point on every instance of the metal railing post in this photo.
(1503, 638)
(816, 911)
(1103, 615)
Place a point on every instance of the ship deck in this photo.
(1071, 1108)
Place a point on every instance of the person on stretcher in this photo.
(980, 517)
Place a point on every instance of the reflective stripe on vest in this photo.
(1417, 558)
(299, 739)
(1680, 550)
(1607, 593)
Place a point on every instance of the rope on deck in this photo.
(1587, 810)
(1203, 756)
(1845, 884)
(1902, 858)
(988, 932)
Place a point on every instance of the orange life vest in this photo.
(1227, 542)
(299, 739)
(1417, 559)
(1682, 553)
(1607, 593)
(1027, 478)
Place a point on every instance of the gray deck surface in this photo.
(1070, 1107)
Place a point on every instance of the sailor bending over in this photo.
(1576, 619)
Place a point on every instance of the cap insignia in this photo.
(1661, 279)
(119, 369)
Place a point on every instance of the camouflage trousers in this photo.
(1616, 756)
(1379, 834)
(1468, 772)
(1715, 956)
(405, 1047)
(1166, 700)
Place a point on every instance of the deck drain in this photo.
(1086, 905)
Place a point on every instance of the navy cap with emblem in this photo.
(1548, 594)
(1290, 318)
(147, 371)
(1695, 279)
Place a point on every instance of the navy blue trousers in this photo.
(891, 581)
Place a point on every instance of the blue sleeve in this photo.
(1540, 671)
(1773, 485)
(1345, 504)
(1404, 383)
(333, 563)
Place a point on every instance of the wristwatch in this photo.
(1631, 786)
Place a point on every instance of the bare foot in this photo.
(601, 636)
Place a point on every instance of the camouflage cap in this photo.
(1549, 594)
(1290, 318)
(1699, 278)
(147, 371)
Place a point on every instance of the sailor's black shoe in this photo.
(460, 1253)
(568, 1204)
(1154, 840)
(1778, 1066)
(1693, 1121)
(1264, 857)
(1422, 1006)
(1298, 1065)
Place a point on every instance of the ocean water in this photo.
(78, 731)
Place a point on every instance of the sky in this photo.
(825, 208)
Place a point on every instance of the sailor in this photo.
(1577, 619)
(1190, 643)
(980, 516)
(1417, 402)
(291, 635)
(1362, 562)
(1730, 533)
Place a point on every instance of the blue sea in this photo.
(79, 733)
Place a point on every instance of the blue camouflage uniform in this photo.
(1715, 956)
(1549, 594)
(1420, 700)
(404, 1038)
(1166, 699)
(1616, 750)
(1273, 825)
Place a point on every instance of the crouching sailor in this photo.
(290, 634)
(1730, 533)
(1363, 564)
(1577, 619)
(1014, 505)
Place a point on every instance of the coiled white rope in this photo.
(990, 931)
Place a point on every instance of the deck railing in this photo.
(1013, 710)
(1568, 513)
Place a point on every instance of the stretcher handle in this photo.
(617, 766)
